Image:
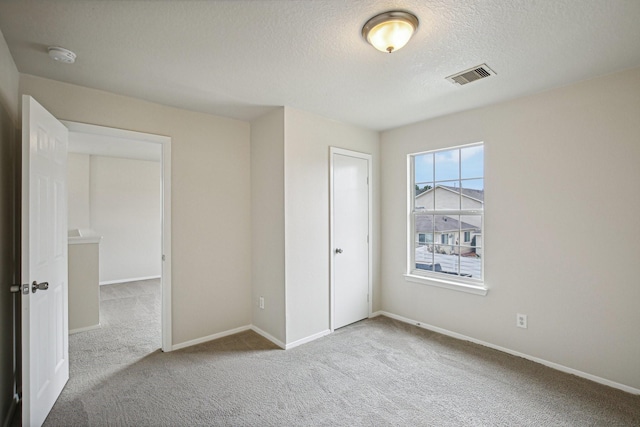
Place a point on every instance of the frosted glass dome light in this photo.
(390, 31)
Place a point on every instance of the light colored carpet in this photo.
(376, 372)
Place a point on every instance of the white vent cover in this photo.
(472, 74)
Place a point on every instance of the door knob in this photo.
(338, 250)
(42, 286)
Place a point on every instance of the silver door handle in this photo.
(338, 251)
(41, 286)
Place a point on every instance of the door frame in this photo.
(165, 182)
(369, 158)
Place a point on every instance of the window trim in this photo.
(447, 284)
(473, 286)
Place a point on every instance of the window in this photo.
(447, 215)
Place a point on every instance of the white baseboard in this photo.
(257, 331)
(290, 345)
(268, 336)
(307, 339)
(132, 279)
(553, 365)
(86, 328)
(210, 337)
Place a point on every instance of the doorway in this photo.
(117, 143)
(44, 358)
(351, 229)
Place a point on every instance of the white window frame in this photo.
(464, 284)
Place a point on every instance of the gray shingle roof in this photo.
(469, 192)
(443, 224)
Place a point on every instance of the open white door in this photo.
(45, 345)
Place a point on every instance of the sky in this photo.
(465, 163)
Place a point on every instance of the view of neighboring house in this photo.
(449, 234)
(445, 231)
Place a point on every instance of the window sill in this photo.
(447, 284)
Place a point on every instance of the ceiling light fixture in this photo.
(390, 31)
(61, 54)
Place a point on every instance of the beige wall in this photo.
(210, 199)
(9, 80)
(78, 176)
(120, 200)
(9, 231)
(558, 165)
(126, 211)
(307, 141)
(267, 223)
(84, 292)
(290, 219)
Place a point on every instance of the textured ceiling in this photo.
(240, 58)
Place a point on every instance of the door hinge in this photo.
(163, 258)
(367, 297)
(367, 238)
(367, 180)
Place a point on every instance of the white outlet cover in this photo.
(521, 320)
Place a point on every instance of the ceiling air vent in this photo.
(471, 75)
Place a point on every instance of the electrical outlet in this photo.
(262, 303)
(521, 321)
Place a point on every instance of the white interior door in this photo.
(45, 349)
(350, 205)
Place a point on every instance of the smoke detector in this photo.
(61, 54)
(471, 75)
